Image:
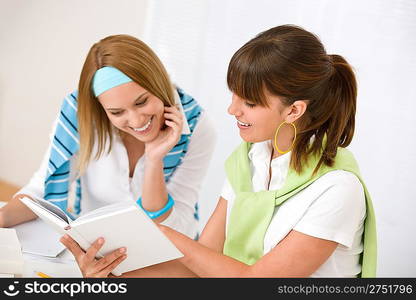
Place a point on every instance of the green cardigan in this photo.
(252, 211)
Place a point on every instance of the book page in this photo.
(54, 209)
(54, 218)
(104, 210)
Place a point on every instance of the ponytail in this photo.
(340, 106)
(343, 89)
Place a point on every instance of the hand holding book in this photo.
(88, 264)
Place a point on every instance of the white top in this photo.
(332, 208)
(107, 180)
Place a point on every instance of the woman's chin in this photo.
(145, 138)
(250, 139)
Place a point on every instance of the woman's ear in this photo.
(296, 110)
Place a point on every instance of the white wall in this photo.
(196, 39)
(44, 42)
(43, 46)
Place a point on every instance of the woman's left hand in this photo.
(168, 137)
(88, 264)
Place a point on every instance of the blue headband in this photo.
(107, 78)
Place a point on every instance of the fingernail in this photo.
(100, 241)
(122, 250)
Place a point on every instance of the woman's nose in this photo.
(234, 108)
(231, 109)
(136, 121)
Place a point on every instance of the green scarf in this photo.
(252, 211)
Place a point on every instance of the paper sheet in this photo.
(38, 238)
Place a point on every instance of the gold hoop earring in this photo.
(275, 138)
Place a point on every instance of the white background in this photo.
(44, 42)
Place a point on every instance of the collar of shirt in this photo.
(260, 155)
(185, 125)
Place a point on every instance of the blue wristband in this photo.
(155, 214)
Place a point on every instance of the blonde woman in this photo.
(127, 134)
(294, 203)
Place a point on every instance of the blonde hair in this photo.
(135, 59)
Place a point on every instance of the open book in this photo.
(122, 224)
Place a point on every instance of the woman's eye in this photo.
(250, 104)
(115, 113)
(141, 102)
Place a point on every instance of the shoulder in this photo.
(202, 141)
(205, 129)
(205, 122)
(339, 189)
(342, 180)
(337, 208)
(190, 106)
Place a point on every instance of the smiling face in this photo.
(257, 123)
(134, 110)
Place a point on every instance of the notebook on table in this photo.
(38, 238)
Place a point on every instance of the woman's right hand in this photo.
(88, 264)
(167, 138)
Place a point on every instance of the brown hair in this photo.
(292, 63)
(135, 59)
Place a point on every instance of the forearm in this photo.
(154, 194)
(173, 268)
(15, 212)
(204, 261)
